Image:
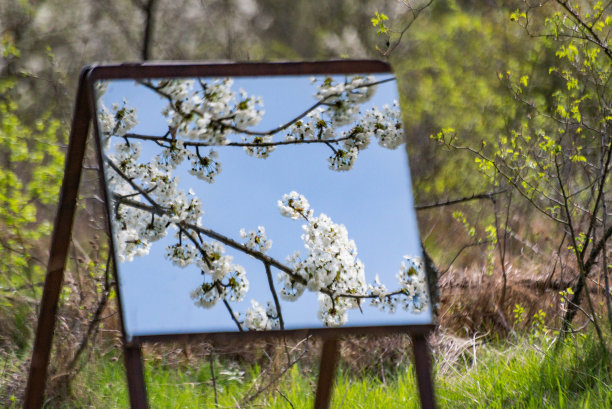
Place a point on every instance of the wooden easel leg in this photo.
(135, 376)
(327, 373)
(58, 252)
(423, 368)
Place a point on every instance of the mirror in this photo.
(260, 203)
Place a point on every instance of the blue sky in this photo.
(373, 201)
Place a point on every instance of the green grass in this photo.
(526, 374)
(531, 376)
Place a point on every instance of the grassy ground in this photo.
(529, 373)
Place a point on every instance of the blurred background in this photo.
(473, 78)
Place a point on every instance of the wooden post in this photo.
(135, 376)
(422, 365)
(327, 373)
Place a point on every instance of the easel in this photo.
(83, 117)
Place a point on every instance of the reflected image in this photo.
(260, 203)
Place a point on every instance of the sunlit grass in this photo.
(529, 373)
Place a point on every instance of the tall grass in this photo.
(526, 374)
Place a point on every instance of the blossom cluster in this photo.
(205, 167)
(341, 107)
(257, 318)
(222, 278)
(294, 206)
(343, 98)
(412, 294)
(118, 120)
(329, 267)
(411, 277)
(386, 126)
(210, 111)
(256, 240)
(134, 227)
(258, 146)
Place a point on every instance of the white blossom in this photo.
(386, 126)
(343, 159)
(256, 240)
(411, 277)
(379, 292)
(259, 319)
(257, 146)
(222, 278)
(205, 167)
(208, 111)
(118, 120)
(330, 265)
(343, 98)
(294, 206)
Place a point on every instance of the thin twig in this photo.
(212, 375)
(478, 196)
(285, 397)
(275, 297)
(231, 312)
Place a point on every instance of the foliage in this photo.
(450, 80)
(30, 176)
(542, 136)
(558, 157)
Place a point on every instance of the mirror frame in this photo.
(84, 114)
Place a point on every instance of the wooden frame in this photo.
(83, 116)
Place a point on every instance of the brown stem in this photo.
(147, 41)
(595, 38)
(212, 375)
(231, 312)
(240, 144)
(93, 324)
(275, 296)
(460, 200)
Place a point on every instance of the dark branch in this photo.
(240, 144)
(460, 200)
(147, 41)
(275, 296)
(229, 309)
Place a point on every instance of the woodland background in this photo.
(507, 113)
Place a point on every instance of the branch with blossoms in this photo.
(329, 95)
(148, 202)
(332, 271)
(206, 117)
(248, 249)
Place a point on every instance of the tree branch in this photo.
(273, 131)
(415, 14)
(275, 296)
(460, 200)
(147, 41)
(240, 144)
(254, 253)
